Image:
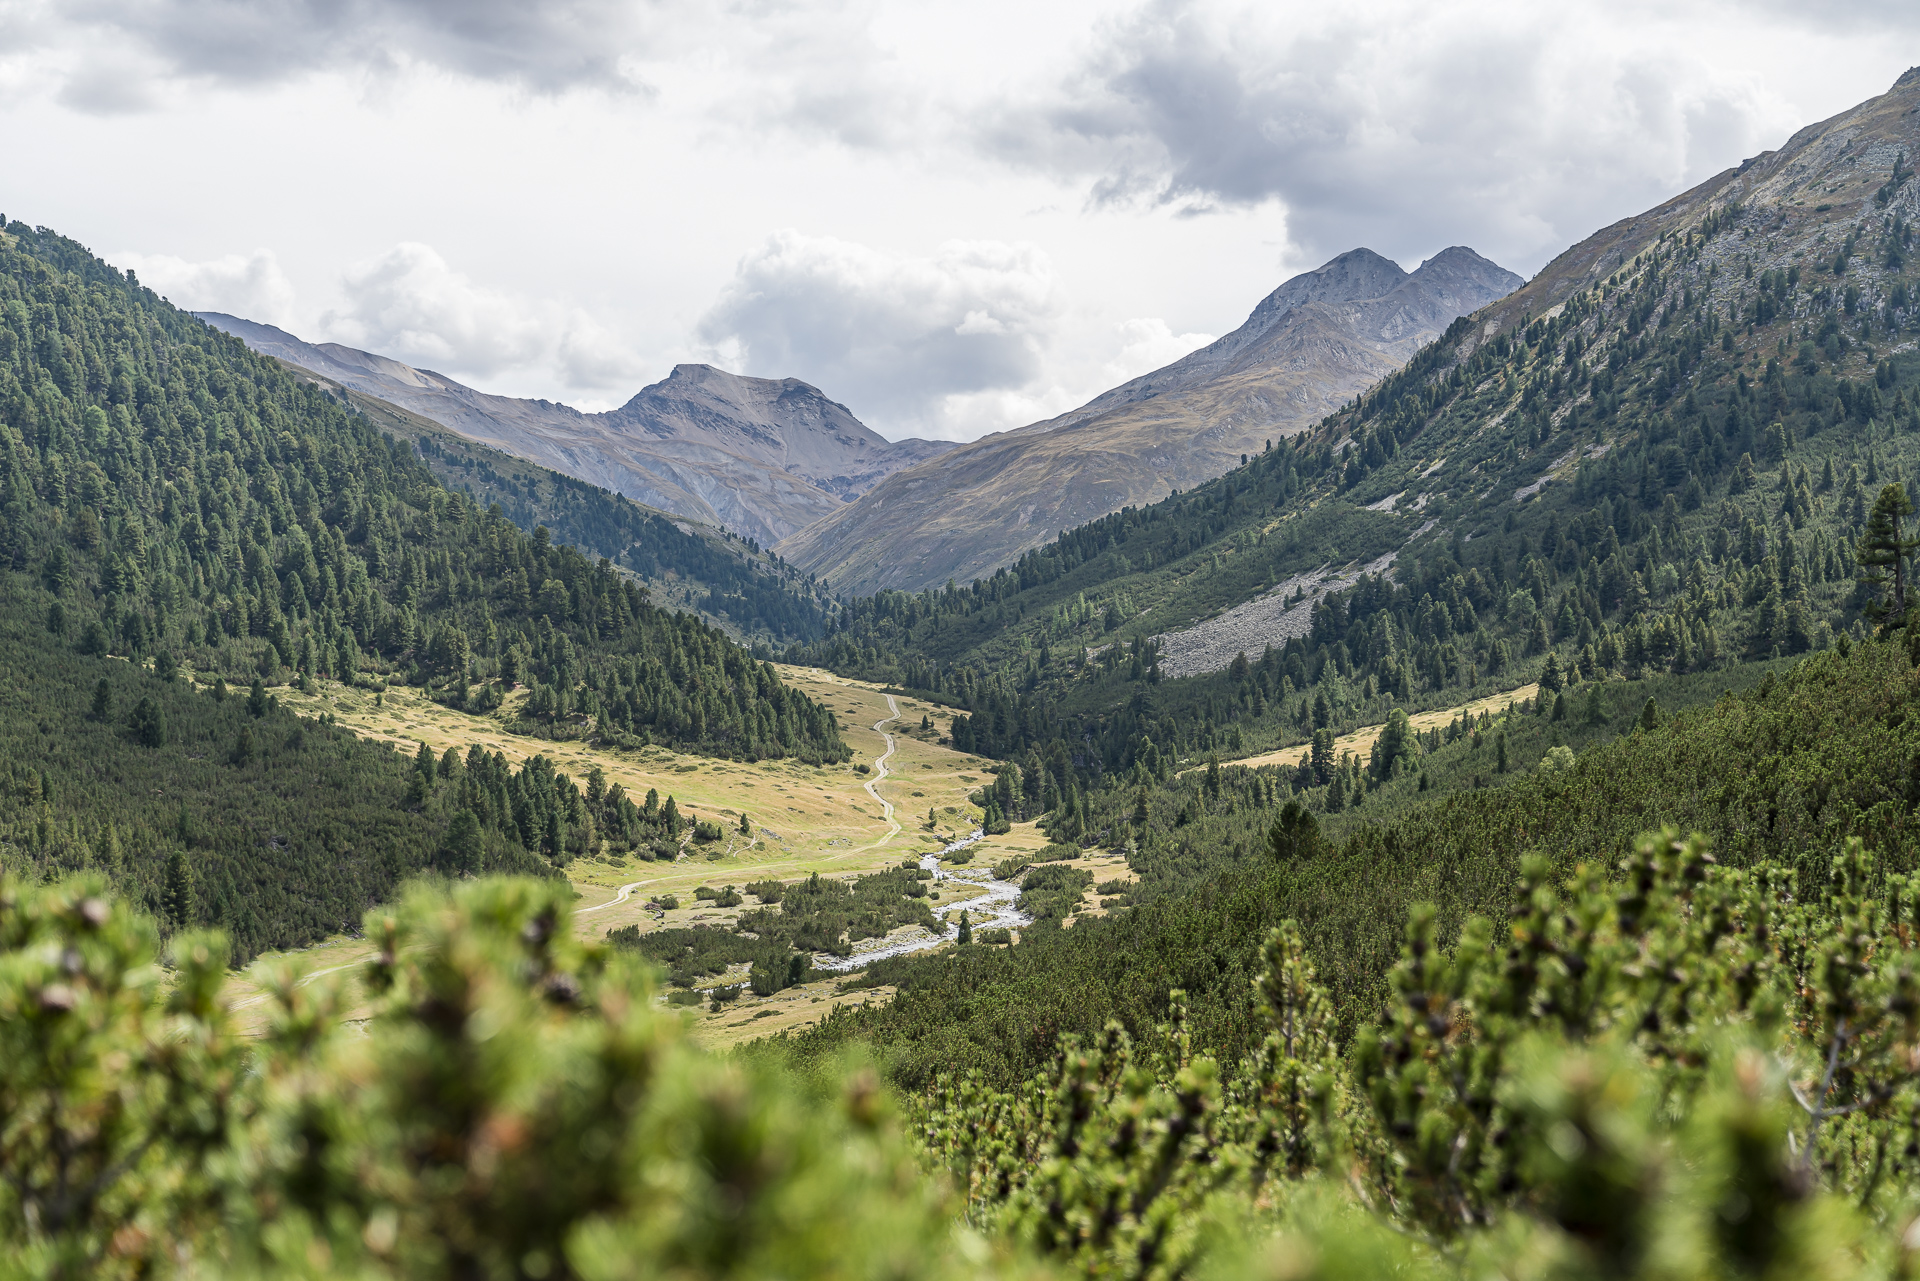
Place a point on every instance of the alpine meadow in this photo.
(1475, 834)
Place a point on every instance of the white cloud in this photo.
(892, 335)
(251, 286)
(1146, 344)
(410, 304)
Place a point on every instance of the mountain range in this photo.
(761, 456)
(777, 460)
(1310, 345)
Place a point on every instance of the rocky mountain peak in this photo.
(1357, 273)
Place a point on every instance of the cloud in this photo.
(895, 337)
(251, 286)
(116, 53)
(410, 304)
(1405, 127)
(1146, 344)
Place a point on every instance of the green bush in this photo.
(1682, 1063)
(1681, 1069)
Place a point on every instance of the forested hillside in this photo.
(169, 500)
(1778, 776)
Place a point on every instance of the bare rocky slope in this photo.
(762, 456)
(1309, 346)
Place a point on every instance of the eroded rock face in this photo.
(1310, 345)
(762, 456)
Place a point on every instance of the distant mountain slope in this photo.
(1311, 345)
(762, 456)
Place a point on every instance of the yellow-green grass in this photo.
(805, 819)
(1360, 742)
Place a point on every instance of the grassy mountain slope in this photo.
(1309, 346)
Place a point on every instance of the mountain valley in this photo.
(1443, 758)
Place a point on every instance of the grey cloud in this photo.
(545, 47)
(892, 336)
(1405, 129)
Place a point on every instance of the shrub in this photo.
(396, 1144)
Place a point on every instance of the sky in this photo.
(952, 218)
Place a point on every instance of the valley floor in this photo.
(805, 819)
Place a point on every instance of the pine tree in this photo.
(1650, 715)
(966, 930)
(1883, 550)
(148, 725)
(102, 700)
(179, 898)
(423, 763)
(1321, 755)
(1295, 834)
(463, 849)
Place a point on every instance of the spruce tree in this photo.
(966, 930)
(463, 849)
(179, 898)
(1883, 550)
(148, 725)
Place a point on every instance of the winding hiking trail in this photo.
(880, 772)
(625, 892)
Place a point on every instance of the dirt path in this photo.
(625, 892)
(880, 772)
